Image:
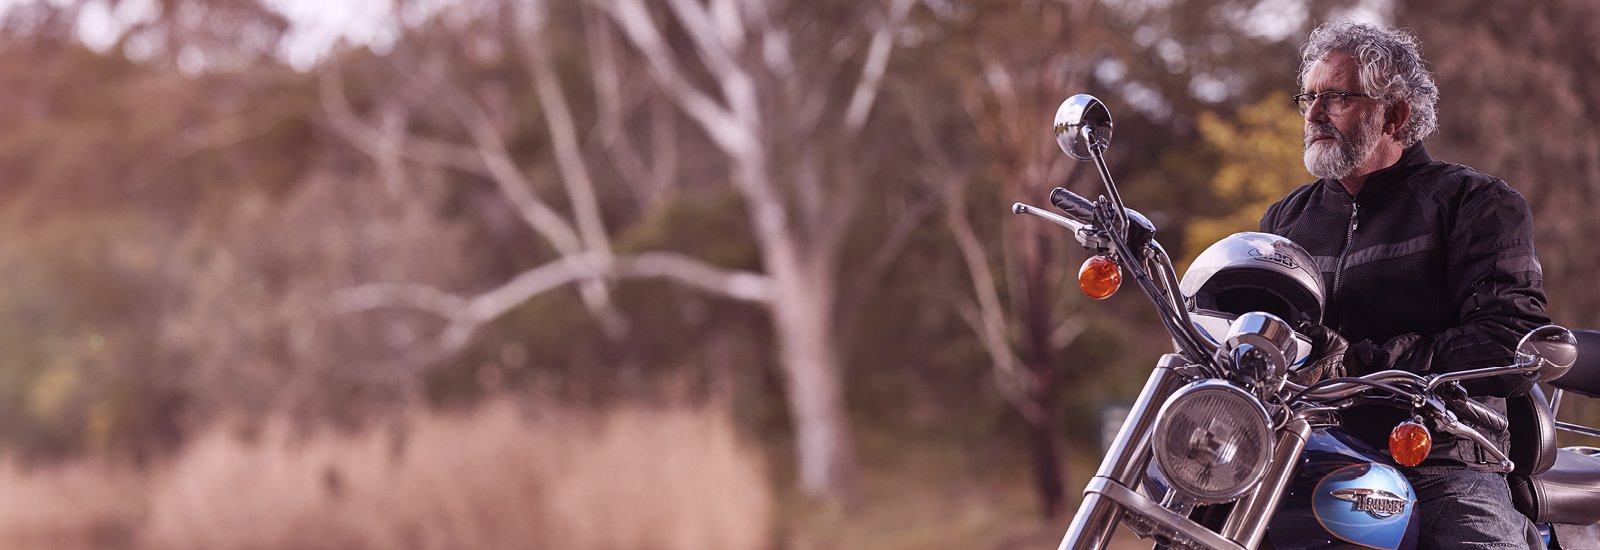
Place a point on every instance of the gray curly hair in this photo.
(1390, 68)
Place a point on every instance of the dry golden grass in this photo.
(665, 478)
(79, 505)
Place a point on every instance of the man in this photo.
(1428, 266)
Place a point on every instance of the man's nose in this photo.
(1318, 111)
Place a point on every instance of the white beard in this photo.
(1338, 158)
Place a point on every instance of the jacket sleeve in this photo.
(1496, 279)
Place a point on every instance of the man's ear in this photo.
(1395, 117)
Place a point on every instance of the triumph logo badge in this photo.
(1378, 504)
(1275, 257)
(1365, 503)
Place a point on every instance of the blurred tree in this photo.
(1019, 78)
(789, 89)
(203, 35)
(790, 154)
(1259, 161)
(108, 162)
(254, 329)
(1156, 69)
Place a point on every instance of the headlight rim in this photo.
(1165, 415)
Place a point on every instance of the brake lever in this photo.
(1088, 235)
(1447, 422)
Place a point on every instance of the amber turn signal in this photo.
(1099, 277)
(1409, 443)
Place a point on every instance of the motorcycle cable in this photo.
(1391, 388)
(1112, 215)
(1119, 243)
(1171, 280)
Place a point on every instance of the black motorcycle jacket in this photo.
(1430, 268)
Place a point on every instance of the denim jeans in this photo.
(1461, 508)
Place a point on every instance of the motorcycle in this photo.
(1233, 444)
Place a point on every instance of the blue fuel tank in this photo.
(1345, 494)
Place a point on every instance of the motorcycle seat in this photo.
(1533, 433)
(1564, 488)
(1569, 492)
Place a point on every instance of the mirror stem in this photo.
(1097, 151)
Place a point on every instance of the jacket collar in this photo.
(1384, 182)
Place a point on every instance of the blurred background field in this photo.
(644, 274)
(500, 477)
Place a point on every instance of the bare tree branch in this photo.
(877, 62)
(516, 188)
(713, 37)
(492, 304)
(664, 124)
(467, 315)
(842, 201)
(394, 295)
(987, 317)
(649, 184)
(716, 39)
(871, 272)
(1068, 331)
(735, 130)
(1010, 378)
(721, 124)
(348, 125)
(563, 133)
(388, 151)
(739, 285)
(494, 160)
(221, 133)
(228, 131)
(513, 185)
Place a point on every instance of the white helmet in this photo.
(1255, 272)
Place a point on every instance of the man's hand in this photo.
(1329, 354)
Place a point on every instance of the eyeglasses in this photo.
(1334, 102)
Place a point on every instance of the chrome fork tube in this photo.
(1251, 514)
(1125, 461)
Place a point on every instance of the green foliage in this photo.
(107, 163)
(710, 226)
(1258, 163)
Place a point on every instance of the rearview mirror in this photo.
(1082, 123)
(1552, 348)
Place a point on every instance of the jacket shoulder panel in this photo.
(1285, 209)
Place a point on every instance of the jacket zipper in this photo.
(1349, 239)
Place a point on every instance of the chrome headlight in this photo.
(1212, 441)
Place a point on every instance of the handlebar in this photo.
(1136, 228)
(1476, 414)
(1073, 204)
(1437, 396)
